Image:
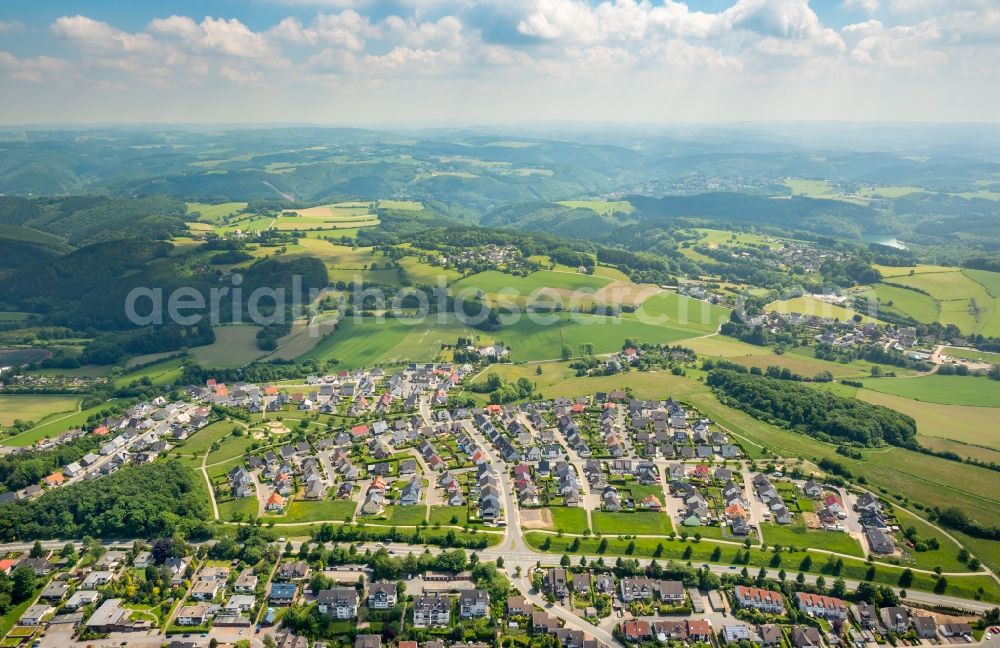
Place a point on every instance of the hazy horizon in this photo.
(379, 64)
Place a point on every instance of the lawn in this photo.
(945, 557)
(199, 442)
(800, 536)
(443, 515)
(234, 346)
(406, 515)
(977, 391)
(638, 523)
(322, 511)
(231, 447)
(246, 507)
(568, 519)
(35, 407)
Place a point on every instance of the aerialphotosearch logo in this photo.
(615, 303)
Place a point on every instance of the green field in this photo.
(200, 442)
(215, 213)
(977, 391)
(807, 305)
(972, 354)
(246, 507)
(424, 274)
(402, 205)
(492, 282)
(684, 312)
(35, 407)
(854, 568)
(323, 511)
(964, 299)
(443, 514)
(12, 316)
(637, 523)
(602, 207)
(160, 373)
(920, 268)
(799, 536)
(909, 303)
(945, 557)
(568, 519)
(231, 447)
(234, 346)
(55, 426)
(978, 424)
(406, 515)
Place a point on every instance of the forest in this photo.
(816, 412)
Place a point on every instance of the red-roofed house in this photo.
(55, 479)
(275, 502)
(7, 565)
(359, 430)
(636, 630)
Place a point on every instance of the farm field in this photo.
(160, 373)
(909, 303)
(402, 205)
(35, 407)
(799, 536)
(637, 523)
(492, 282)
(807, 305)
(234, 346)
(54, 426)
(602, 207)
(611, 273)
(724, 347)
(424, 274)
(715, 237)
(977, 391)
(13, 316)
(303, 338)
(330, 216)
(215, 213)
(965, 302)
(801, 364)
(683, 311)
(920, 268)
(938, 420)
(972, 354)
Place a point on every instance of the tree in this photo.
(23, 585)
(906, 578)
(820, 583)
(269, 642)
(37, 551)
(499, 562)
(800, 579)
(839, 588)
(564, 561)
(603, 546)
(807, 563)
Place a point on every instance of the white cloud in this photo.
(870, 6)
(95, 35)
(36, 69)
(901, 46)
(229, 37)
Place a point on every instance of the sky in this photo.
(445, 62)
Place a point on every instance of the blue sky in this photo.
(499, 61)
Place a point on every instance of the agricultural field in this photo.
(327, 217)
(807, 305)
(161, 373)
(920, 268)
(215, 214)
(976, 391)
(685, 312)
(12, 316)
(234, 346)
(965, 299)
(903, 301)
(602, 207)
(715, 238)
(35, 407)
(424, 274)
(401, 205)
(945, 556)
(558, 284)
(801, 364)
(55, 426)
(303, 337)
(938, 421)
